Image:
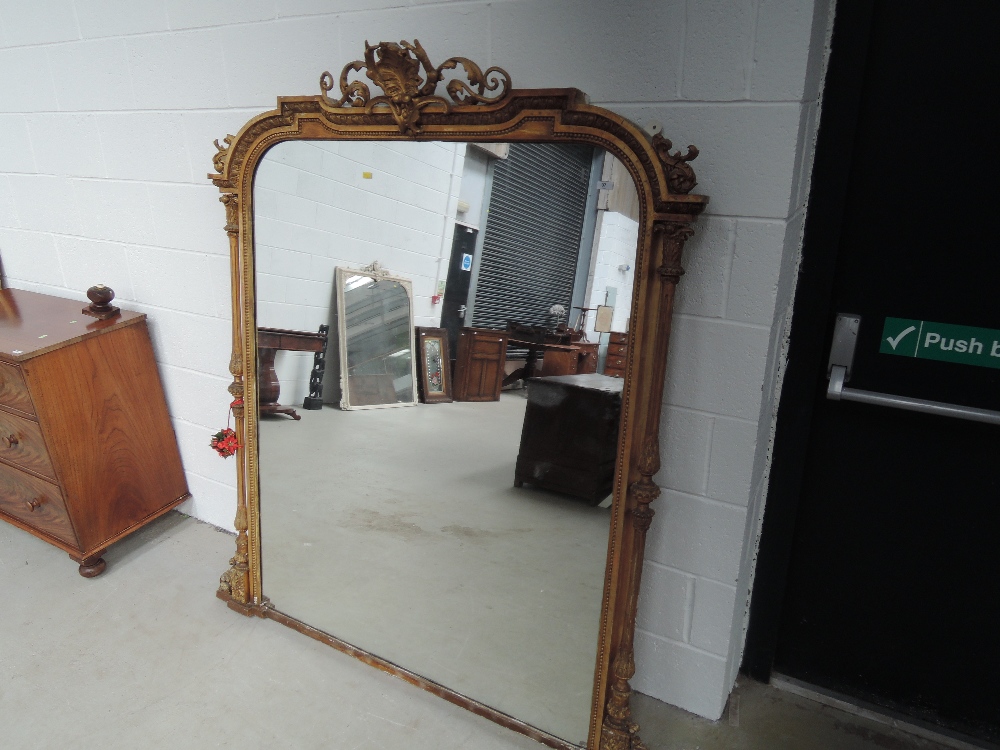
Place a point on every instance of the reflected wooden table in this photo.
(269, 341)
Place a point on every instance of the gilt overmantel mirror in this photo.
(486, 546)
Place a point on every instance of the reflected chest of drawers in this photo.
(87, 450)
(614, 365)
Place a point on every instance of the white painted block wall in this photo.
(320, 205)
(615, 248)
(107, 115)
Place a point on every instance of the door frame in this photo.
(811, 327)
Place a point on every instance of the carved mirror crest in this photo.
(374, 519)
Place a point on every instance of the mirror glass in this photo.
(463, 540)
(376, 336)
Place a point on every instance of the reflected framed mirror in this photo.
(487, 548)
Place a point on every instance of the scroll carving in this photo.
(219, 160)
(396, 69)
(680, 176)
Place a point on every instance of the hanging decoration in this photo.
(225, 442)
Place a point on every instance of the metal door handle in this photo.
(845, 338)
(461, 311)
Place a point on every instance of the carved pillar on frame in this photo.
(620, 731)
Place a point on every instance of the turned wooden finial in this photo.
(100, 302)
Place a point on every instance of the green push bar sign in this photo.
(922, 339)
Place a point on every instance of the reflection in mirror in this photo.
(464, 540)
(376, 337)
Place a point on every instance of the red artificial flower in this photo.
(225, 443)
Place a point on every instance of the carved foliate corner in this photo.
(670, 237)
(235, 582)
(219, 159)
(680, 176)
(396, 69)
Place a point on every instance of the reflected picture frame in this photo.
(434, 363)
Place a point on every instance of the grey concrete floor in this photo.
(415, 545)
(145, 656)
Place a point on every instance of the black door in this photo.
(887, 522)
(456, 288)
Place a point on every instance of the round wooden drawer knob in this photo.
(11, 440)
(35, 503)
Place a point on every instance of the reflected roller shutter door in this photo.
(533, 230)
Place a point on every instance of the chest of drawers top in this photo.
(34, 324)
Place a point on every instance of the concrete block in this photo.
(45, 204)
(298, 51)
(15, 145)
(681, 675)
(93, 75)
(718, 49)
(697, 535)
(781, 49)
(684, 445)
(188, 217)
(187, 14)
(293, 209)
(819, 49)
(195, 342)
(221, 286)
(31, 257)
(712, 615)
(38, 22)
(196, 397)
(99, 18)
(615, 51)
(171, 279)
(754, 276)
(707, 257)
(87, 262)
(211, 501)
(8, 211)
(730, 468)
(292, 264)
(193, 441)
(271, 288)
(27, 84)
(111, 210)
(663, 602)
(125, 140)
(320, 7)
(311, 293)
(178, 71)
(716, 366)
(67, 145)
(747, 160)
(444, 31)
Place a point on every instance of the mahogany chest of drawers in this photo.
(614, 365)
(87, 451)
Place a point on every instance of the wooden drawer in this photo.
(21, 444)
(616, 350)
(617, 337)
(614, 363)
(13, 391)
(35, 502)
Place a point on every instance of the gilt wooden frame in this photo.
(485, 109)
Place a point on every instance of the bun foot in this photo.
(93, 566)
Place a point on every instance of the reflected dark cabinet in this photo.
(87, 449)
(479, 364)
(569, 440)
